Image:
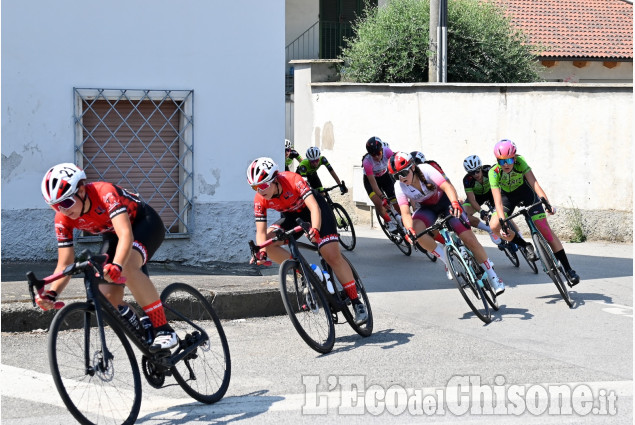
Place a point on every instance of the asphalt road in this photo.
(426, 346)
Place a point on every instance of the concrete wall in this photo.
(50, 47)
(576, 137)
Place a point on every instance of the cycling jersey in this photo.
(106, 201)
(305, 168)
(482, 191)
(376, 168)
(293, 191)
(509, 182)
(421, 195)
(288, 160)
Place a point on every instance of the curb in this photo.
(23, 317)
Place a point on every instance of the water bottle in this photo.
(318, 271)
(130, 315)
(329, 283)
(146, 328)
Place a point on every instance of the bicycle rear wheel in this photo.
(396, 238)
(549, 262)
(307, 307)
(365, 329)
(511, 255)
(532, 264)
(205, 372)
(470, 290)
(344, 227)
(85, 376)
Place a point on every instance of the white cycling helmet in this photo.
(61, 182)
(288, 144)
(472, 163)
(262, 170)
(313, 153)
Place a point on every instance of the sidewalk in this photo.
(235, 290)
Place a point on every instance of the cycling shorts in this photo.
(314, 181)
(148, 231)
(386, 184)
(429, 214)
(328, 229)
(524, 195)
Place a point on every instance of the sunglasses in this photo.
(260, 187)
(402, 173)
(506, 161)
(475, 172)
(65, 204)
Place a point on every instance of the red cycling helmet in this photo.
(374, 146)
(505, 149)
(399, 161)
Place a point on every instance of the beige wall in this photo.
(576, 137)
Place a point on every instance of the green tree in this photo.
(391, 45)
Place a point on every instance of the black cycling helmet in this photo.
(374, 146)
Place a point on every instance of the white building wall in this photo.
(212, 48)
(592, 72)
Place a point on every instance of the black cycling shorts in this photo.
(328, 229)
(385, 182)
(524, 195)
(148, 231)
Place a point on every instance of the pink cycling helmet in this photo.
(505, 149)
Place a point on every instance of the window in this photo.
(141, 140)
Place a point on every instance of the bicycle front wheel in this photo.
(532, 264)
(307, 307)
(345, 227)
(366, 328)
(85, 376)
(549, 262)
(469, 288)
(205, 372)
(397, 237)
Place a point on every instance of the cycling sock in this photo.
(562, 257)
(484, 226)
(439, 238)
(156, 314)
(350, 289)
(387, 217)
(487, 266)
(439, 252)
(519, 241)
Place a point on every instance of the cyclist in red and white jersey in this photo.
(435, 197)
(288, 193)
(377, 178)
(131, 233)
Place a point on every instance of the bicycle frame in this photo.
(449, 236)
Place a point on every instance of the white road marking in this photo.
(617, 309)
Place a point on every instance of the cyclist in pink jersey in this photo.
(435, 196)
(288, 193)
(131, 233)
(377, 180)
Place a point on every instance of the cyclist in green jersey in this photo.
(513, 183)
(289, 155)
(308, 169)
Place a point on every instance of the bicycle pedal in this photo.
(336, 319)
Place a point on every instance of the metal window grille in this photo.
(141, 140)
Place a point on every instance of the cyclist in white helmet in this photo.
(290, 154)
(309, 167)
(288, 193)
(131, 233)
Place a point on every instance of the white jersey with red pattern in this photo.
(106, 201)
(421, 195)
(376, 168)
(293, 191)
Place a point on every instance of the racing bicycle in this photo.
(94, 366)
(550, 263)
(345, 227)
(313, 310)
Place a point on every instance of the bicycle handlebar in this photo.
(337, 186)
(523, 211)
(280, 235)
(95, 261)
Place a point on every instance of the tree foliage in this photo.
(391, 45)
